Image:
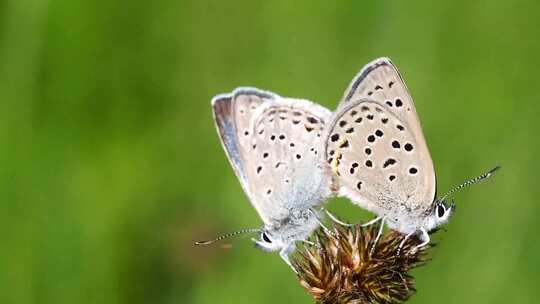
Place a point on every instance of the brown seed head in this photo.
(340, 268)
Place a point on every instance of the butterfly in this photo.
(377, 151)
(275, 146)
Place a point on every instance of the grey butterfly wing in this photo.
(285, 169)
(246, 121)
(381, 81)
(379, 162)
(232, 115)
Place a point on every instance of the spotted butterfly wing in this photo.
(233, 114)
(381, 81)
(286, 169)
(277, 148)
(376, 147)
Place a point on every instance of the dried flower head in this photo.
(340, 267)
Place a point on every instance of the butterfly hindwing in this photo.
(285, 169)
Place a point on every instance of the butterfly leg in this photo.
(404, 241)
(335, 219)
(284, 254)
(326, 230)
(379, 234)
(424, 237)
(373, 221)
(308, 242)
(312, 244)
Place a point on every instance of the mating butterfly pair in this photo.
(291, 155)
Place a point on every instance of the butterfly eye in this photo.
(440, 210)
(266, 238)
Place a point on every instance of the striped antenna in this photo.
(221, 237)
(469, 182)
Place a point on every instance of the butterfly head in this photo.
(438, 215)
(268, 242)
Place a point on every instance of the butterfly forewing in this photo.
(233, 114)
(378, 160)
(245, 104)
(381, 81)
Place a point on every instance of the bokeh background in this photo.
(110, 165)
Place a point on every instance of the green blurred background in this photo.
(111, 166)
